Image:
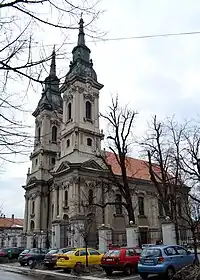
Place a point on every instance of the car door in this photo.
(185, 257)
(131, 257)
(82, 256)
(173, 258)
(94, 257)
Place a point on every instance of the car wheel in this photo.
(169, 273)
(30, 262)
(108, 271)
(22, 264)
(67, 270)
(144, 275)
(127, 270)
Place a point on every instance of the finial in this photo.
(81, 35)
(53, 63)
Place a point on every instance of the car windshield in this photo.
(151, 252)
(54, 251)
(26, 251)
(5, 250)
(138, 250)
(70, 252)
(112, 253)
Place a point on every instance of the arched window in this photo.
(33, 207)
(66, 198)
(89, 142)
(54, 133)
(32, 225)
(69, 111)
(141, 205)
(90, 197)
(88, 108)
(39, 134)
(118, 205)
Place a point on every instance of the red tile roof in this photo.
(136, 168)
(9, 222)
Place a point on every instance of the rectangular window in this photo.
(141, 206)
(33, 207)
(52, 211)
(160, 208)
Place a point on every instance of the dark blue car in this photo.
(164, 260)
(28, 256)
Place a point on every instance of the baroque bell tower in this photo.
(48, 119)
(80, 131)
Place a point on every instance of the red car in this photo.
(121, 259)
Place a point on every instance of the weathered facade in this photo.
(65, 183)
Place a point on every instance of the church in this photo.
(65, 187)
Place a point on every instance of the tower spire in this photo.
(81, 35)
(53, 63)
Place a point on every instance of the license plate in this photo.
(148, 261)
(46, 261)
(109, 260)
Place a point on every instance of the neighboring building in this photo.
(10, 229)
(66, 168)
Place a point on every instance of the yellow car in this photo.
(70, 259)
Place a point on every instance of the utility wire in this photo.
(97, 40)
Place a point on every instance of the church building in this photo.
(65, 188)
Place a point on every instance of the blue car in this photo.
(164, 260)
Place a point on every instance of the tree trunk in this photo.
(86, 256)
(195, 246)
(130, 209)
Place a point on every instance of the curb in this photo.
(36, 272)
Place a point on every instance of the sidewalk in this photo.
(35, 272)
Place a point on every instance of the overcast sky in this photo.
(155, 76)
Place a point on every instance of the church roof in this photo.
(81, 66)
(9, 222)
(136, 168)
(51, 96)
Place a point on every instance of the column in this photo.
(57, 235)
(26, 214)
(168, 232)
(60, 202)
(105, 238)
(132, 236)
(37, 211)
(77, 233)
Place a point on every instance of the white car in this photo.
(147, 245)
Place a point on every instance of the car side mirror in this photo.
(188, 252)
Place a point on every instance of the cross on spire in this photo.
(81, 35)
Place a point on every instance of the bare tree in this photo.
(23, 59)
(189, 212)
(120, 122)
(163, 145)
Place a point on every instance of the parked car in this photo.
(28, 256)
(51, 257)
(121, 259)
(10, 253)
(164, 260)
(147, 245)
(72, 258)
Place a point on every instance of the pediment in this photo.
(32, 180)
(63, 166)
(91, 164)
